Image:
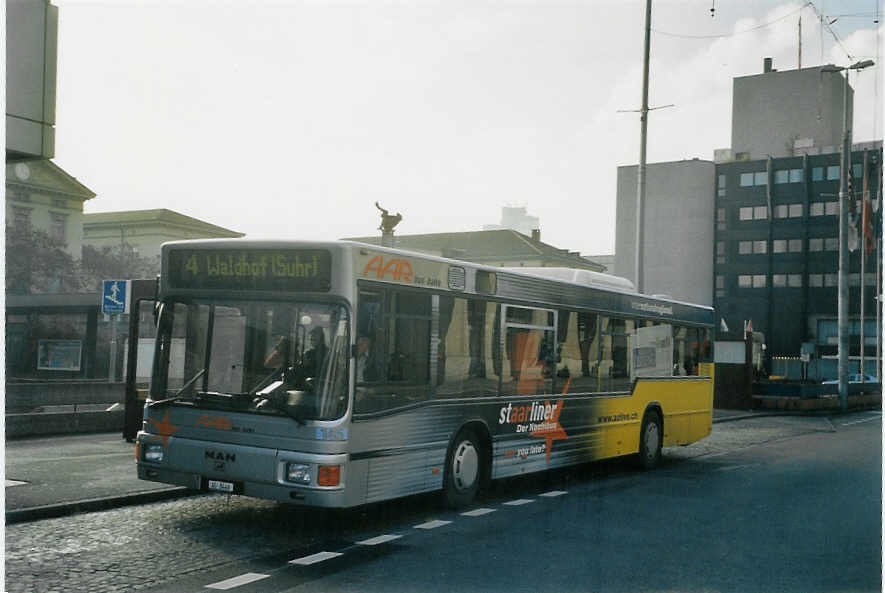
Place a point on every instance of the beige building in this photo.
(147, 230)
(505, 248)
(40, 195)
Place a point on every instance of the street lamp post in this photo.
(844, 167)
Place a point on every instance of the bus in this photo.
(335, 374)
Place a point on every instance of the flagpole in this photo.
(863, 256)
(878, 234)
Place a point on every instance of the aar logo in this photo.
(398, 270)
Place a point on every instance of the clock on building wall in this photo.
(22, 171)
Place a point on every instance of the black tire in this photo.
(464, 470)
(651, 436)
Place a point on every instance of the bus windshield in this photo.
(273, 357)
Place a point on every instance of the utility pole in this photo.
(640, 176)
(845, 168)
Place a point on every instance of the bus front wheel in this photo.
(463, 470)
(651, 436)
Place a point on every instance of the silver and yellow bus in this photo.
(335, 374)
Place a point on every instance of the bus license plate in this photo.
(221, 486)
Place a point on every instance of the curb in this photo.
(50, 511)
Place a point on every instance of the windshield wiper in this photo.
(176, 397)
(190, 382)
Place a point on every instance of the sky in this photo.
(291, 119)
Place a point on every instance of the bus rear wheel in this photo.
(651, 436)
(464, 470)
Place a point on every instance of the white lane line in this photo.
(859, 421)
(553, 493)
(432, 524)
(478, 512)
(314, 558)
(243, 579)
(729, 468)
(518, 502)
(381, 539)
(13, 483)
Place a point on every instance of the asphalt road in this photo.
(770, 504)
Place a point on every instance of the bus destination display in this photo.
(251, 269)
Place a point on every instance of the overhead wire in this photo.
(762, 26)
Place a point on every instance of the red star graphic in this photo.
(165, 429)
(555, 432)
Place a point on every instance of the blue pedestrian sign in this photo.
(115, 296)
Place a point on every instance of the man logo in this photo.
(221, 456)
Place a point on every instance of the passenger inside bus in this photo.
(366, 363)
(312, 361)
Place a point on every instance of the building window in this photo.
(58, 222)
(720, 214)
(21, 217)
(721, 182)
(833, 172)
(816, 280)
(760, 246)
(779, 246)
(760, 212)
(720, 252)
(832, 208)
(745, 281)
(745, 247)
(853, 279)
(795, 175)
(794, 280)
(795, 246)
(760, 178)
(857, 170)
(831, 244)
(816, 209)
(817, 174)
(779, 280)
(782, 176)
(831, 280)
(781, 211)
(795, 210)
(869, 279)
(816, 244)
(720, 282)
(746, 213)
(746, 179)
(758, 280)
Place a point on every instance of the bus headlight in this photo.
(298, 473)
(153, 453)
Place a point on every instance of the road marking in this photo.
(14, 483)
(518, 502)
(732, 467)
(243, 579)
(314, 558)
(553, 493)
(478, 512)
(432, 524)
(859, 421)
(378, 540)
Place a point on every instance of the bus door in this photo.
(139, 354)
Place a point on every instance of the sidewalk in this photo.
(55, 476)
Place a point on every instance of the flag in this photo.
(867, 224)
(748, 327)
(869, 238)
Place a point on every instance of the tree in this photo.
(37, 262)
(108, 263)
